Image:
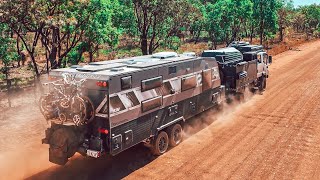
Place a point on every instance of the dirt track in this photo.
(271, 136)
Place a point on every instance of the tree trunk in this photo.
(19, 52)
(281, 33)
(197, 37)
(54, 50)
(261, 24)
(144, 44)
(8, 84)
(90, 56)
(261, 36)
(52, 58)
(151, 44)
(35, 66)
(251, 33)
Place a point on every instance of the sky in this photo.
(305, 2)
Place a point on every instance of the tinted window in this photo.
(173, 70)
(150, 104)
(188, 82)
(126, 83)
(116, 104)
(151, 83)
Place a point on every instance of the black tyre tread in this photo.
(170, 132)
(155, 145)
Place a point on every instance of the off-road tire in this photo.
(175, 135)
(262, 83)
(160, 144)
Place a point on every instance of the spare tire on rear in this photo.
(64, 144)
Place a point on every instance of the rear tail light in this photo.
(103, 131)
(102, 84)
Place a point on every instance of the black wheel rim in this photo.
(162, 144)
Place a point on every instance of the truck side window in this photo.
(188, 82)
(172, 69)
(126, 83)
(265, 58)
(116, 104)
(259, 58)
(151, 83)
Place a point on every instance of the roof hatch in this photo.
(164, 55)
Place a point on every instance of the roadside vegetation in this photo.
(39, 35)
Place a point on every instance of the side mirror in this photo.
(270, 59)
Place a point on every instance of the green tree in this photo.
(99, 28)
(214, 21)
(266, 17)
(72, 22)
(312, 18)
(7, 54)
(200, 17)
(124, 18)
(60, 25)
(241, 12)
(157, 21)
(284, 16)
(18, 16)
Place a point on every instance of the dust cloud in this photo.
(21, 129)
(220, 116)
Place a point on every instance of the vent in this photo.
(116, 69)
(164, 55)
(190, 54)
(75, 66)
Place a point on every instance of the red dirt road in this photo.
(271, 136)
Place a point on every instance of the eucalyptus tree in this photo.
(266, 17)
(19, 17)
(241, 12)
(312, 17)
(7, 54)
(285, 16)
(69, 23)
(60, 25)
(159, 20)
